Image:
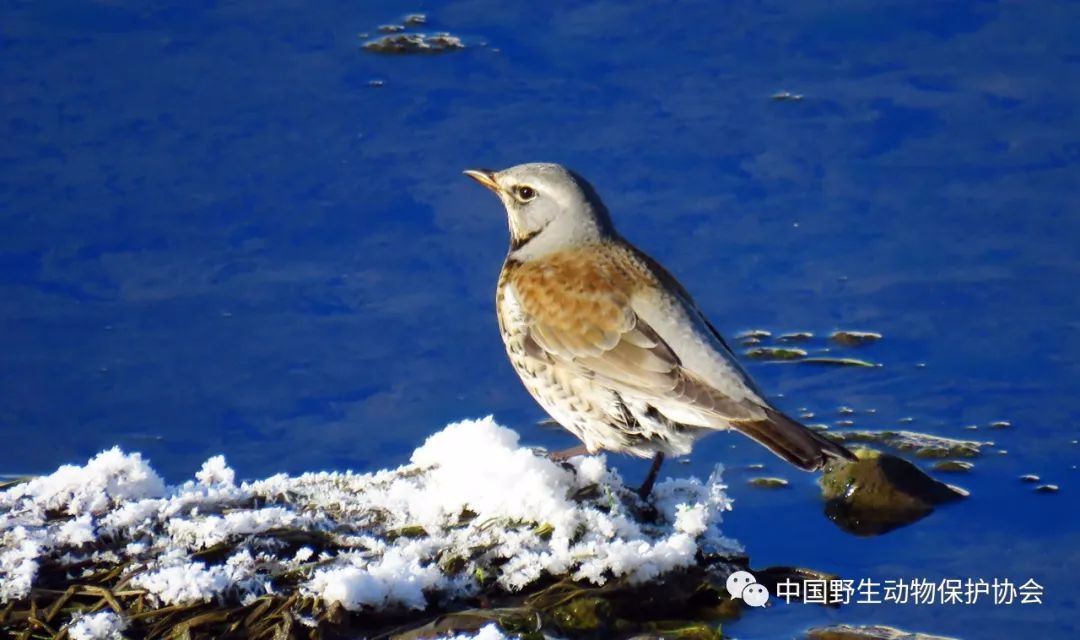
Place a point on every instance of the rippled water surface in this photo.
(219, 236)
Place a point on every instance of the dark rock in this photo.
(880, 492)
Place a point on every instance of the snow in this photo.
(103, 625)
(488, 632)
(472, 506)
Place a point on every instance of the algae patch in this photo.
(866, 632)
(922, 445)
(880, 492)
(854, 338)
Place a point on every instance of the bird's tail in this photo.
(787, 438)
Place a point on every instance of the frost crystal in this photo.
(472, 508)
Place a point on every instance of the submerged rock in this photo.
(923, 445)
(854, 338)
(775, 353)
(768, 483)
(953, 466)
(413, 43)
(880, 492)
(866, 632)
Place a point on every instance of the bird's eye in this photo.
(524, 193)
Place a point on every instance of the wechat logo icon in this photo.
(744, 586)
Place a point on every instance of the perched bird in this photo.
(609, 343)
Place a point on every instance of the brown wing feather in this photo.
(578, 312)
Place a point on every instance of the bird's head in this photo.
(549, 207)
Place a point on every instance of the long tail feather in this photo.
(787, 438)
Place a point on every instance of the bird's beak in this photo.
(484, 177)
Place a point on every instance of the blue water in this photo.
(218, 237)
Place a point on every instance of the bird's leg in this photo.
(566, 454)
(654, 470)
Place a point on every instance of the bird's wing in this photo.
(579, 310)
(612, 318)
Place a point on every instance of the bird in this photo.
(610, 344)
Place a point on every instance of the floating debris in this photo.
(786, 96)
(415, 19)
(801, 336)
(906, 420)
(845, 410)
(866, 632)
(923, 445)
(760, 334)
(953, 466)
(775, 353)
(880, 492)
(415, 43)
(844, 423)
(768, 483)
(1000, 424)
(1047, 488)
(809, 415)
(391, 28)
(750, 342)
(375, 83)
(1030, 477)
(854, 338)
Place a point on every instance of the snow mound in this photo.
(473, 510)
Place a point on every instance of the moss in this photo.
(768, 483)
(682, 630)
(866, 632)
(880, 492)
(412, 531)
(582, 614)
(840, 362)
(953, 466)
(414, 43)
(922, 445)
(854, 338)
(775, 353)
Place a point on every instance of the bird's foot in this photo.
(654, 470)
(566, 454)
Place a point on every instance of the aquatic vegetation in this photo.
(953, 466)
(866, 632)
(880, 492)
(922, 445)
(775, 353)
(854, 338)
(768, 483)
(411, 43)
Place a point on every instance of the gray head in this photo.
(549, 207)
